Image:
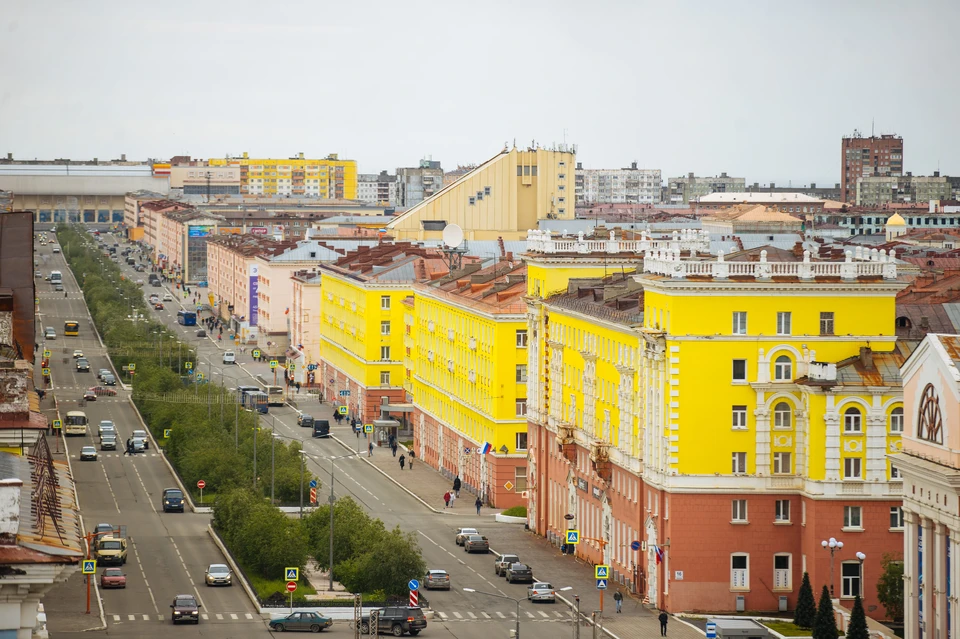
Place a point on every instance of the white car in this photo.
(142, 434)
(167, 297)
(229, 357)
(106, 427)
(218, 575)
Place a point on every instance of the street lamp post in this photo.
(256, 427)
(516, 632)
(860, 557)
(332, 500)
(834, 546)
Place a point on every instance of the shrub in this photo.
(516, 511)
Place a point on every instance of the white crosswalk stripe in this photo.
(472, 616)
(485, 615)
(233, 616)
(443, 615)
(116, 617)
(529, 614)
(543, 614)
(249, 616)
(219, 617)
(131, 617)
(457, 615)
(146, 617)
(205, 615)
(501, 615)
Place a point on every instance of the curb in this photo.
(236, 569)
(375, 467)
(163, 456)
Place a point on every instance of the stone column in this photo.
(762, 419)
(589, 424)
(940, 580)
(801, 428)
(877, 448)
(911, 599)
(928, 583)
(832, 450)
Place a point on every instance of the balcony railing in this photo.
(546, 242)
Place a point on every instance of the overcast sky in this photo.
(763, 90)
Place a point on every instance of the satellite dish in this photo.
(452, 236)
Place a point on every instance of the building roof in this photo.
(616, 298)
(759, 198)
(951, 346)
(752, 213)
(896, 220)
(390, 262)
(493, 287)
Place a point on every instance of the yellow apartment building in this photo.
(468, 379)
(503, 197)
(728, 413)
(327, 178)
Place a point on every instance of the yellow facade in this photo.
(328, 178)
(503, 197)
(545, 279)
(465, 368)
(359, 320)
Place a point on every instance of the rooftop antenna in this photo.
(872, 121)
(452, 246)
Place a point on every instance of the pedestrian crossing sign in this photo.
(292, 367)
(256, 353)
(89, 566)
(57, 423)
(573, 536)
(368, 428)
(291, 574)
(46, 354)
(601, 584)
(603, 571)
(199, 376)
(342, 410)
(132, 366)
(273, 364)
(188, 365)
(46, 372)
(167, 432)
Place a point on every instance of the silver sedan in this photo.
(541, 591)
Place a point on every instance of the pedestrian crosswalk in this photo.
(225, 617)
(542, 616)
(138, 455)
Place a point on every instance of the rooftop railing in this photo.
(538, 241)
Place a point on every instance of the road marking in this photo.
(146, 617)
(205, 616)
(116, 618)
(513, 614)
(557, 614)
(485, 615)
(544, 615)
(110, 487)
(443, 615)
(457, 615)
(219, 617)
(529, 614)
(131, 617)
(472, 616)
(233, 616)
(136, 555)
(249, 616)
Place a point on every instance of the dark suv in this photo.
(397, 620)
(172, 500)
(185, 609)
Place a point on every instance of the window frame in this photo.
(739, 323)
(738, 459)
(521, 403)
(784, 323)
(520, 480)
(788, 586)
(777, 465)
(891, 421)
(738, 511)
(521, 338)
(735, 584)
(516, 441)
(384, 302)
(778, 413)
(896, 517)
(385, 354)
(521, 375)
(783, 369)
(828, 320)
(385, 324)
(855, 463)
(382, 374)
(733, 371)
(851, 512)
(849, 424)
(738, 414)
(845, 581)
(781, 511)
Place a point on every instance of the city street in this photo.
(168, 553)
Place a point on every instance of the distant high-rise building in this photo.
(878, 190)
(617, 186)
(415, 184)
(683, 190)
(866, 157)
(380, 190)
(329, 178)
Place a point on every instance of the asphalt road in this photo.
(171, 551)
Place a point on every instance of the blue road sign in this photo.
(602, 570)
(634, 545)
(89, 566)
(601, 584)
(413, 585)
(711, 630)
(313, 483)
(573, 536)
(291, 574)
(311, 367)
(344, 393)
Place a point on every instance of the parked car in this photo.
(436, 580)
(172, 500)
(476, 543)
(142, 434)
(463, 533)
(541, 591)
(305, 621)
(83, 365)
(88, 453)
(502, 561)
(112, 550)
(113, 578)
(108, 442)
(185, 608)
(397, 620)
(518, 572)
(218, 575)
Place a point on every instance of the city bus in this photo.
(187, 318)
(71, 329)
(75, 423)
(256, 400)
(275, 395)
(56, 277)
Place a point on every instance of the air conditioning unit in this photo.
(741, 603)
(472, 376)
(782, 607)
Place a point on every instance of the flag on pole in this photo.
(659, 551)
(485, 448)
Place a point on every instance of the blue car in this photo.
(305, 621)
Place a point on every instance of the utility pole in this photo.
(576, 624)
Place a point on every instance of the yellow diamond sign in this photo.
(508, 485)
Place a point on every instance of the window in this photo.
(851, 517)
(783, 323)
(384, 378)
(826, 323)
(385, 302)
(521, 338)
(781, 464)
(850, 577)
(782, 510)
(521, 441)
(385, 353)
(384, 328)
(486, 190)
(739, 464)
(520, 479)
(521, 373)
(852, 467)
(739, 571)
(781, 572)
(472, 200)
(896, 420)
(740, 417)
(739, 370)
(521, 407)
(739, 510)
(781, 416)
(852, 420)
(895, 472)
(739, 323)
(896, 517)
(783, 369)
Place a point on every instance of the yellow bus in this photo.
(71, 329)
(75, 423)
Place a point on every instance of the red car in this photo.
(90, 395)
(158, 306)
(100, 390)
(113, 578)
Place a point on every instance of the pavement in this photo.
(411, 499)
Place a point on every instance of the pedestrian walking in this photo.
(370, 450)
(663, 623)
(618, 598)
(413, 455)
(403, 460)
(478, 504)
(394, 448)
(446, 499)
(453, 498)
(456, 486)
(298, 388)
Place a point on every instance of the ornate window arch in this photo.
(783, 369)
(929, 417)
(782, 415)
(896, 421)
(853, 420)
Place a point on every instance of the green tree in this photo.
(806, 611)
(353, 532)
(825, 625)
(388, 565)
(858, 622)
(890, 585)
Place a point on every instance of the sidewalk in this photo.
(428, 485)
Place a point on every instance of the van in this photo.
(321, 428)
(112, 550)
(229, 357)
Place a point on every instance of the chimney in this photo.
(9, 511)
(936, 174)
(866, 357)
(925, 322)
(579, 166)
(813, 185)
(690, 175)
(633, 165)
(773, 185)
(724, 174)
(123, 157)
(9, 156)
